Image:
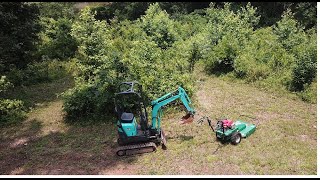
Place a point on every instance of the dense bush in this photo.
(56, 41)
(310, 92)
(191, 38)
(39, 72)
(304, 73)
(133, 10)
(305, 69)
(226, 33)
(300, 44)
(262, 56)
(86, 99)
(157, 44)
(289, 32)
(157, 24)
(283, 55)
(10, 110)
(110, 54)
(160, 52)
(18, 34)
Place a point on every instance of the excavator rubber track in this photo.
(129, 150)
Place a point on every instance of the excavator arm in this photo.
(157, 105)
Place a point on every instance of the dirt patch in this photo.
(20, 142)
(11, 163)
(45, 145)
(60, 160)
(120, 169)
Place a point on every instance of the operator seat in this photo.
(126, 117)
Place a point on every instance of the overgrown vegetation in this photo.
(216, 51)
(11, 110)
(157, 44)
(159, 51)
(56, 41)
(18, 34)
(33, 37)
(109, 54)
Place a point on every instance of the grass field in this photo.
(285, 142)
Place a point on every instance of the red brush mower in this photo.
(229, 131)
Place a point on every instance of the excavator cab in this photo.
(129, 104)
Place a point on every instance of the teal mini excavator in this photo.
(135, 135)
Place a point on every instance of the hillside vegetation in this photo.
(60, 65)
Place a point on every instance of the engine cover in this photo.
(227, 123)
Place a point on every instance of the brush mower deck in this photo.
(229, 131)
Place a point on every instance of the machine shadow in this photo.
(180, 137)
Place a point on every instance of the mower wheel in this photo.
(235, 138)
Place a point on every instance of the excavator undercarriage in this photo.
(147, 144)
(134, 149)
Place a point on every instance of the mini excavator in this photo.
(135, 134)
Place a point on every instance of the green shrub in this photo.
(160, 52)
(4, 84)
(79, 101)
(121, 51)
(305, 69)
(19, 27)
(56, 41)
(262, 56)
(39, 72)
(10, 110)
(304, 72)
(302, 45)
(226, 33)
(157, 24)
(289, 32)
(188, 51)
(310, 93)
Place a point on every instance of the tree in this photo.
(10, 110)
(18, 34)
(56, 41)
(157, 24)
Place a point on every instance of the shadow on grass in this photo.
(40, 94)
(221, 146)
(220, 69)
(81, 149)
(180, 137)
(13, 141)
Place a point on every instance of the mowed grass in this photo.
(45, 144)
(284, 143)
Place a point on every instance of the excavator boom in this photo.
(157, 104)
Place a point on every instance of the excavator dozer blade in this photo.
(188, 118)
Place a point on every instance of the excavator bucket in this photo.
(188, 118)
